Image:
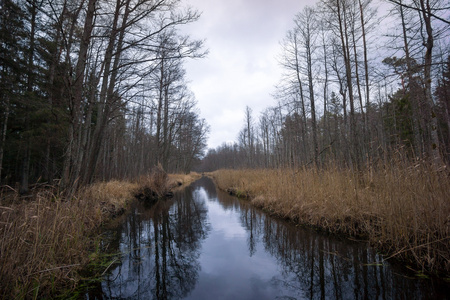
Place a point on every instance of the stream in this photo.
(205, 244)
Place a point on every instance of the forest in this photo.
(95, 107)
(96, 90)
(341, 102)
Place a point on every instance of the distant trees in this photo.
(340, 102)
(442, 108)
(94, 89)
(247, 137)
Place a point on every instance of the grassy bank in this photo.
(178, 180)
(405, 212)
(46, 241)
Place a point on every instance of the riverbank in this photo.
(403, 212)
(45, 240)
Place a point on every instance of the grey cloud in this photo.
(243, 38)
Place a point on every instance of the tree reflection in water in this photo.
(160, 247)
(319, 266)
(180, 249)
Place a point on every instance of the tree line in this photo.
(95, 89)
(359, 87)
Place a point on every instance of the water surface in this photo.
(205, 244)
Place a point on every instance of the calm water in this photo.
(204, 244)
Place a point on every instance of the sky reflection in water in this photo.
(205, 244)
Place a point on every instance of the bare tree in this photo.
(306, 26)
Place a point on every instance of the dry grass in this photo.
(114, 194)
(158, 184)
(45, 241)
(404, 211)
(178, 180)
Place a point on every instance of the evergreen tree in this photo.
(12, 66)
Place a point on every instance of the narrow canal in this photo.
(205, 244)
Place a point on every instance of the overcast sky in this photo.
(241, 68)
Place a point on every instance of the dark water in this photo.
(204, 244)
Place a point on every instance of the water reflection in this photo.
(205, 244)
(319, 266)
(160, 247)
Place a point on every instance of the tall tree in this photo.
(429, 44)
(12, 35)
(306, 26)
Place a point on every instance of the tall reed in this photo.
(45, 240)
(402, 210)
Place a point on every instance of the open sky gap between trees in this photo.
(96, 90)
(95, 93)
(338, 103)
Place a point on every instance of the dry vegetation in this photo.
(178, 180)
(403, 211)
(159, 184)
(45, 241)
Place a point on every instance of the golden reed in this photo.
(403, 211)
(45, 241)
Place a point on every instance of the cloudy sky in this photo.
(241, 68)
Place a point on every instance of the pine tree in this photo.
(12, 65)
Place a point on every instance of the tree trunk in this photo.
(71, 158)
(30, 82)
(311, 91)
(346, 53)
(435, 149)
(366, 73)
(105, 95)
(302, 100)
(159, 117)
(325, 93)
(4, 130)
(413, 90)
